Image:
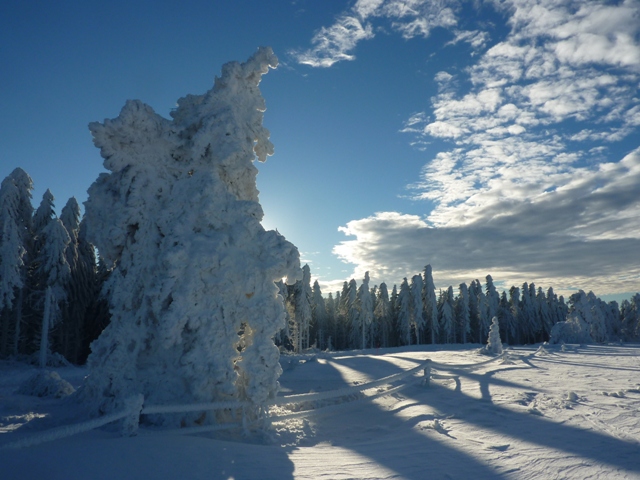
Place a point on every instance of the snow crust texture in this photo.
(192, 296)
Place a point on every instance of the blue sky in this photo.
(481, 137)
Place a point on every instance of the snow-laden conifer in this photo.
(430, 303)
(382, 316)
(404, 305)
(462, 312)
(365, 310)
(319, 317)
(54, 273)
(15, 251)
(179, 219)
(447, 317)
(418, 322)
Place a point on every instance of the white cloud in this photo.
(411, 18)
(580, 235)
(333, 44)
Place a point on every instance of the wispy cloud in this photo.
(411, 18)
(524, 192)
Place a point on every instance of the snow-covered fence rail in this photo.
(134, 407)
(130, 414)
(466, 366)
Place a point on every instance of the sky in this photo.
(494, 137)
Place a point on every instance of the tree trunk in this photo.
(44, 339)
(16, 333)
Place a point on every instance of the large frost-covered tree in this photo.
(179, 219)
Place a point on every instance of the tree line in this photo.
(50, 279)
(52, 305)
(368, 316)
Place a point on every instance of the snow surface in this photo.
(551, 411)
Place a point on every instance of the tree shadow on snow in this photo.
(416, 445)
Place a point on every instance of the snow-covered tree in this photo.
(15, 252)
(330, 333)
(528, 315)
(300, 294)
(514, 301)
(463, 316)
(430, 303)
(395, 326)
(383, 317)
(365, 310)
(630, 318)
(179, 219)
(543, 314)
(484, 319)
(319, 317)
(54, 273)
(446, 315)
(417, 311)
(352, 313)
(582, 307)
(42, 216)
(493, 298)
(506, 318)
(474, 309)
(81, 288)
(404, 306)
(494, 344)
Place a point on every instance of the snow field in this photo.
(545, 413)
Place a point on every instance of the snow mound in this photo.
(45, 383)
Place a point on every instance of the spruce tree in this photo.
(430, 304)
(463, 317)
(404, 307)
(319, 317)
(383, 317)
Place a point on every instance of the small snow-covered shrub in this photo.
(45, 383)
(494, 344)
(573, 330)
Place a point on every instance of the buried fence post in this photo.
(130, 422)
(427, 372)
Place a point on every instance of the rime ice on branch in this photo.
(178, 217)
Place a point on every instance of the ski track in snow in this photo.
(563, 413)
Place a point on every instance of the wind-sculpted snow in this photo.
(192, 296)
